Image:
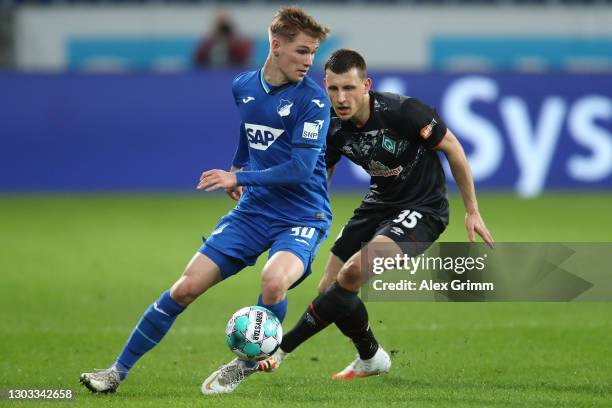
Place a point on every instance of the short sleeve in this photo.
(422, 122)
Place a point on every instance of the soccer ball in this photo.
(253, 333)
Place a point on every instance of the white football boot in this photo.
(379, 364)
(104, 381)
(273, 362)
(228, 377)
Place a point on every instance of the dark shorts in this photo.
(402, 225)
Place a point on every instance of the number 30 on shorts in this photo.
(304, 232)
(408, 218)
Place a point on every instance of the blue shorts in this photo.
(239, 239)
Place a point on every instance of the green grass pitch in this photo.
(77, 272)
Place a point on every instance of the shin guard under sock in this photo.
(331, 305)
(355, 326)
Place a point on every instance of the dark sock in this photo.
(356, 327)
(334, 303)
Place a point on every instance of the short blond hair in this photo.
(288, 22)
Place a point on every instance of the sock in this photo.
(333, 304)
(356, 327)
(153, 325)
(279, 309)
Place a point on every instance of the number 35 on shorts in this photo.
(408, 218)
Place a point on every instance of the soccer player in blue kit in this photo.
(283, 201)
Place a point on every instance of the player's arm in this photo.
(460, 168)
(305, 152)
(295, 171)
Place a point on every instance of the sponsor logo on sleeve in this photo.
(426, 131)
(248, 99)
(311, 130)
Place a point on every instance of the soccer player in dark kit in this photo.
(395, 139)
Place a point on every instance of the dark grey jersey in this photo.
(395, 147)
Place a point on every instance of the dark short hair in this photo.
(343, 60)
(288, 22)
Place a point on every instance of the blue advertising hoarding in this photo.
(113, 132)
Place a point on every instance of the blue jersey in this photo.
(276, 124)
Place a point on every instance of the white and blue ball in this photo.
(253, 333)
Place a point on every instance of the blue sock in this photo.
(279, 309)
(153, 325)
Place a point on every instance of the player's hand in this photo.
(235, 193)
(474, 223)
(215, 179)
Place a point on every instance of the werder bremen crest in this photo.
(388, 144)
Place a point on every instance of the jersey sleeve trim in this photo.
(439, 141)
(305, 146)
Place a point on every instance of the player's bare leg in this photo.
(200, 274)
(340, 304)
(352, 275)
(333, 267)
(281, 271)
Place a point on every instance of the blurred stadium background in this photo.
(113, 95)
(110, 110)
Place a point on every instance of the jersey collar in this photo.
(271, 89)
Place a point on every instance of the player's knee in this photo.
(350, 275)
(185, 290)
(200, 274)
(273, 287)
(273, 292)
